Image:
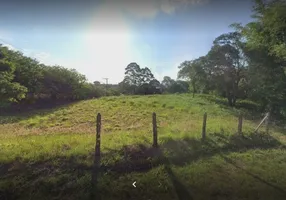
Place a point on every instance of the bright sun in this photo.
(108, 40)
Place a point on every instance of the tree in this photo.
(171, 86)
(268, 30)
(96, 83)
(136, 80)
(23, 78)
(155, 86)
(28, 72)
(194, 72)
(132, 76)
(9, 90)
(167, 83)
(180, 86)
(266, 51)
(62, 83)
(227, 63)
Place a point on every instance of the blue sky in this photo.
(100, 38)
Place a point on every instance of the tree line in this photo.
(139, 80)
(246, 63)
(24, 80)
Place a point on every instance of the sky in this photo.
(100, 38)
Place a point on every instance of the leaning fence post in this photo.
(155, 136)
(204, 126)
(96, 162)
(240, 125)
(267, 123)
(266, 116)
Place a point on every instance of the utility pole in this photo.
(106, 83)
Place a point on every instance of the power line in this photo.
(106, 79)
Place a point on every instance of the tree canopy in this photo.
(248, 63)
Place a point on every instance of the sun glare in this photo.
(108, 40)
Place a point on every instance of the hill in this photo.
(49, 154)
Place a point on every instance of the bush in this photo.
(248, 104)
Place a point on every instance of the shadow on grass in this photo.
(56, 178)
(179, 152)
(21, 112)
(182, 192)
(251, 111)
(59, 177)
(139, 158)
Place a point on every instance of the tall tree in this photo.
(227, 62)
(266, 52)
(137, 80)
(167, 82)
(132, 77)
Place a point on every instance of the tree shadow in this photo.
(141, 158)
(138, 158)
(183, 193)
(47, 179)
(249, 110)
(232, 162)
(20, 112)
(265, 141)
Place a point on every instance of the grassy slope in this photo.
(49, 154)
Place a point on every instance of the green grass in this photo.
(48, 154)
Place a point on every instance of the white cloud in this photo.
(142, 9)
(167, 7)
(170, 69)
(9, 46)
(41, 56)
(171, 72)
(150, 8)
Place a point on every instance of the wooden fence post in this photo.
(266, 116)
(155, 136)
(240, 125)
(96, 162)
(204, 126)
(98, 130)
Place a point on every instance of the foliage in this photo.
(266, 53)
(23, 78)
(223, 67)
(139, 81)
(171, 86)
(248, 62)
(9, 90)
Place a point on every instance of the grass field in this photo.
(48, 154)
